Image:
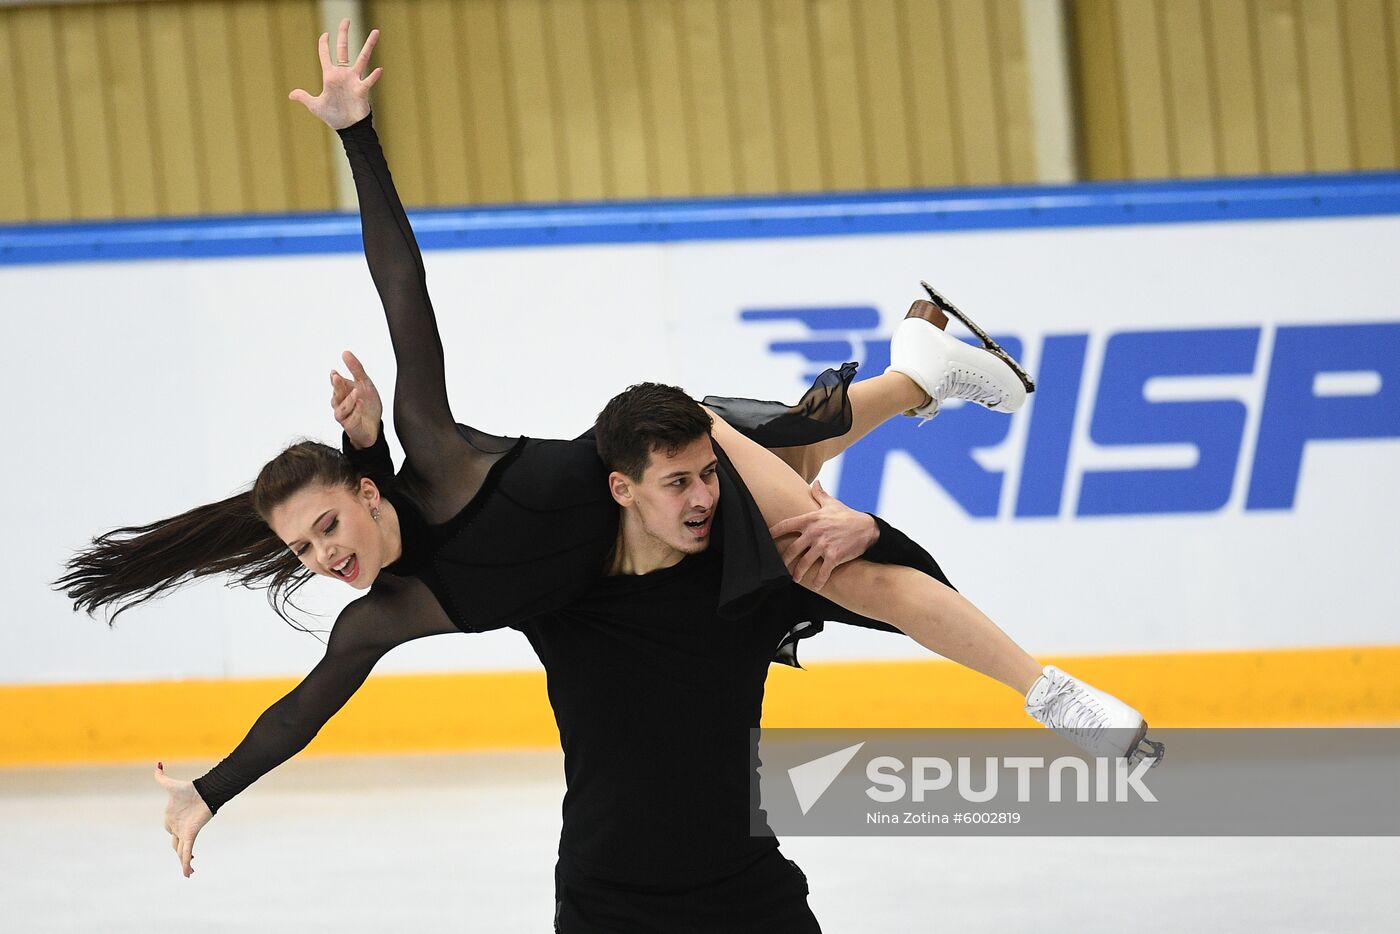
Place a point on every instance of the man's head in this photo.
(656, 442)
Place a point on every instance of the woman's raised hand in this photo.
(356, 403)
(344, 97)
(185, 814)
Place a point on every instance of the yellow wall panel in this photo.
(1280, 86)
(755, 136)
(125, 81)
(1189, 94)
(179, 168)
(671, 157)
(414, 76)
(39, 85)
(85, 111)
(928, 81)
(401, 95)
(261, 104)
(884, 124)
(1239, 86)
(979, 129)
(1325, 87)
(1144, 99)
(536, 119)
(217, 124)
(1373, 111)
(839, 87)
(575, 76)
(14, 191)
(1011, 72)
(1393, 17)
(312, 150)
(178, 107)
(708, 98)
(493, 149)
(616, 51)
(437, 69)
(798, 127)
(1100, 105)
(1232, 53)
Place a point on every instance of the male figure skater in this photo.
(656, 693)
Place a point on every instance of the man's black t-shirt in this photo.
(656, 696)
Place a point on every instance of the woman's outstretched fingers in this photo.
(342, 42)
(185, 814)
(186, 851)
(366, 51)
(340, 388)
(344, 97)
(353, 364)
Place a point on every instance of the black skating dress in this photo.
(496, 530)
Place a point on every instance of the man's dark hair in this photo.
(644, 418)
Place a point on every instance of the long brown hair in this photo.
(126, 567)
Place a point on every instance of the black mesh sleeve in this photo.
(422, 416)
(393, 614)
(447, 468)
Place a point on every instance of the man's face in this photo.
(676, 496)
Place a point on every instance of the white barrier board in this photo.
(1210, 460)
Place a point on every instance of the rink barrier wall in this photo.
(121, 722)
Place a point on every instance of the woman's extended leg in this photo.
(934, 615)
(927, 368)
(941, 619)
(873, 402)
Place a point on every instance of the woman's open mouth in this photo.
(347, 570)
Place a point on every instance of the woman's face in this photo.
(332, 531)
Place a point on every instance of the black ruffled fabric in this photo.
(823, 412)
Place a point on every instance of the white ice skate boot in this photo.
(946, 368)
(1096, 722)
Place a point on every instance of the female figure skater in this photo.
(482, 531)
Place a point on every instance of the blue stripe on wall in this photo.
(925, 211)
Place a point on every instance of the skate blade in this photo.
(991, 346)
(1144, 748)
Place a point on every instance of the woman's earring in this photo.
(374, 514)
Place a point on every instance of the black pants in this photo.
(767, 897)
